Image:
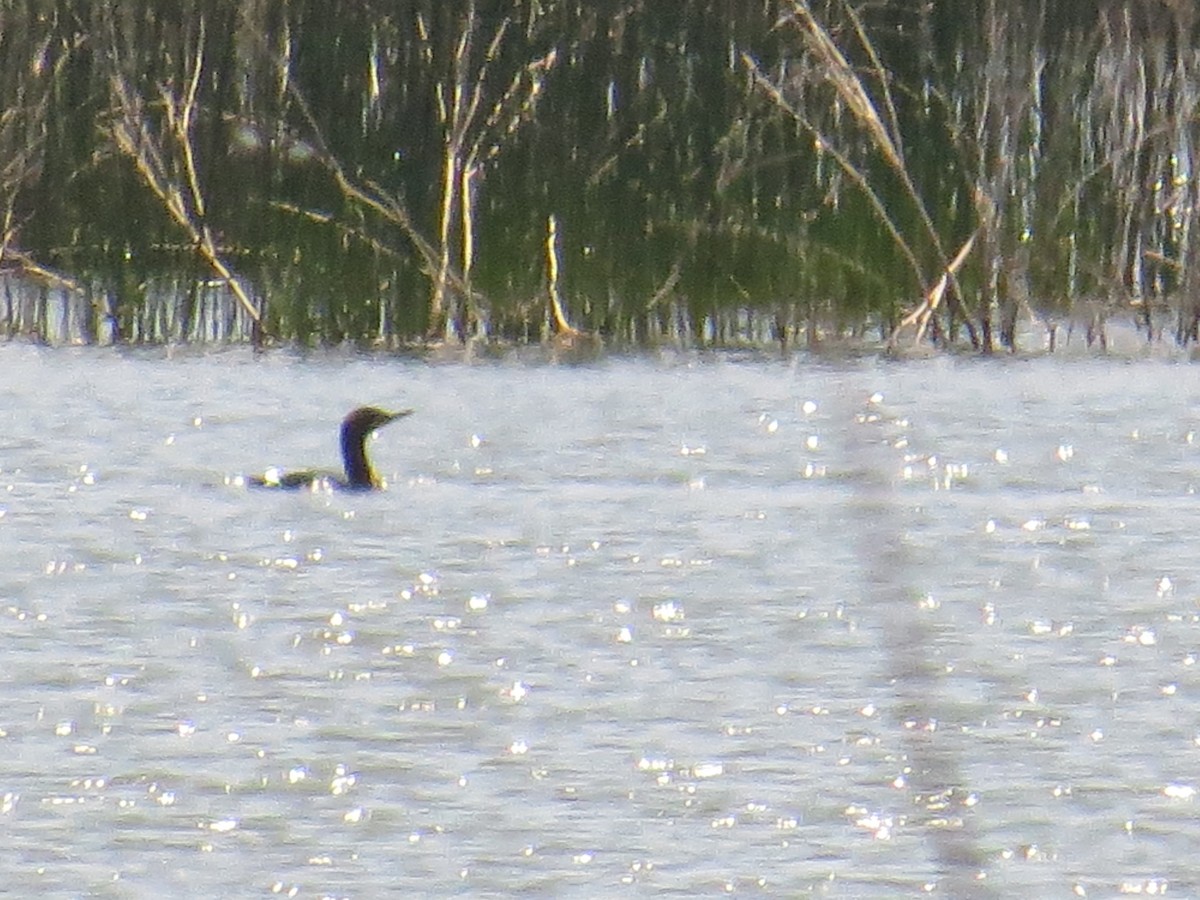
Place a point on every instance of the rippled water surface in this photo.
(677, 627)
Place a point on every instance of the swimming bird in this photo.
(359, 475)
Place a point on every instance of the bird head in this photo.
(366, 419)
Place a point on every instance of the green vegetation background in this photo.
(695, 171)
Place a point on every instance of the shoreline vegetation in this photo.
(951, 175)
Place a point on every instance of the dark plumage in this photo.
(359, 476)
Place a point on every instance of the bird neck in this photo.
(359, 473)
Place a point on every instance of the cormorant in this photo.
(356, 428)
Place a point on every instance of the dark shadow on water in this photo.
(924, 720)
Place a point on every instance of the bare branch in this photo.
(855, 174)
(132, 136)
(933, 298)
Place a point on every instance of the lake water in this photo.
(682, 626)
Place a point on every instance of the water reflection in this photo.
(851, 629)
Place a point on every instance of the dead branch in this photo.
(180, 194)
(852, 171)
(372, 196)
(668, 285)
(848, 86)
(30, 266)
(929, 305)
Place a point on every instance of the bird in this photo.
(359, 476)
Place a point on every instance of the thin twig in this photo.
(132, 137)
(844, 163)
(925, 310)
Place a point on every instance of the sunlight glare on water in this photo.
(681, 626)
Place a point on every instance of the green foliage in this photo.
(385, 172)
